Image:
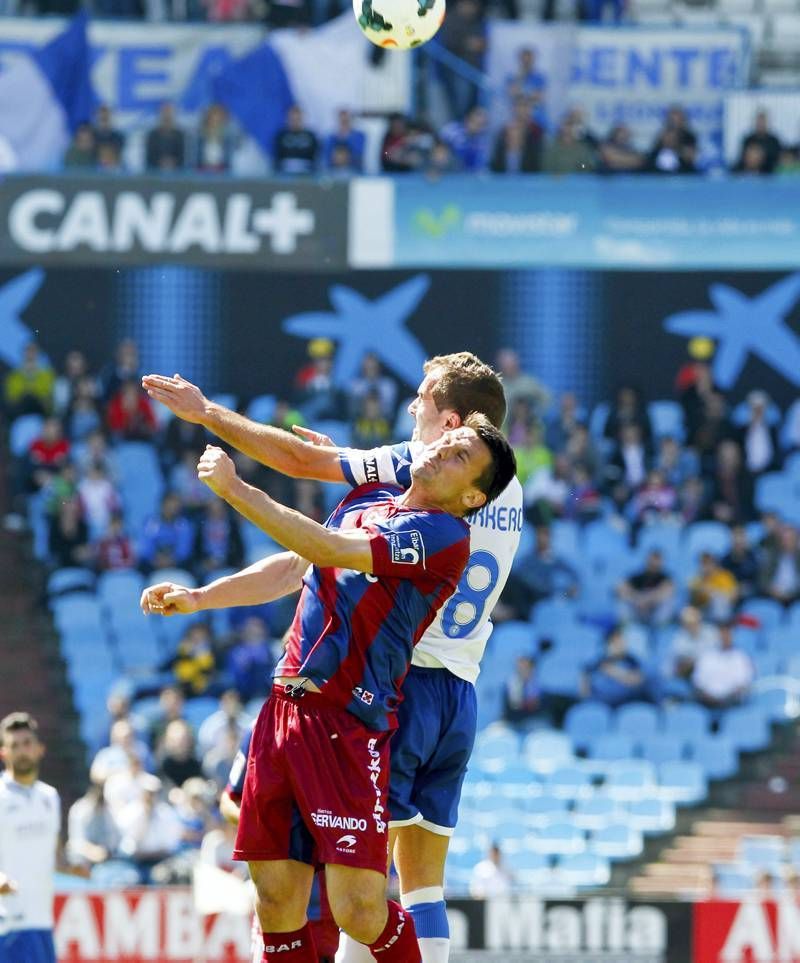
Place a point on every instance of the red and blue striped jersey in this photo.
(353, 634)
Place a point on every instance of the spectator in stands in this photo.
(345, 135)
(766, 144)
(518, 383)
(81, 153)
(674, 150)
(539, 574)
(758, 438)
(567, 152)
(675, 463)
(92, 834)
(469, 139)
(150, 828)
(648, 596)
(522, 697)
(779, 575)
(124, 368)
(230, 718)
(130, 414)
(441, 160)
(341, 163)
(617, 676)
(250, 661)
(581, 452)
(692, 501)
(318, 396)
(105, 133)
(731, 488)
(116, 756)
(519, 418)
(371, 378)
(99, 500)
(68, 541)
(48, 453)
(584, 502)
(179, 438)
(176, 757)
(183, 481)
(115, 549)
(693, 637)
(83, 416)
(195, 662)
(296, 147)
(371, 427)
(125, 784)
(76, 371)
(215, 142)
(218, 760)
(218, 543)
(617, 154)
(526, 79)
(656, 501)
(217, 850)
(546, 493)
(393, 146)
(109, 160)
(95, 449)
(562, 423)
(490, 877)
(166, 143)
(628, 409)
(626, 469)
(167, 538)
(531, 452)
(516, 151)
(714, 590)
(723, 675)
(171, 706)
(192, 800)
(742, 562)
(28, 389)
(463, 33)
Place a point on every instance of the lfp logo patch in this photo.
(407, 548)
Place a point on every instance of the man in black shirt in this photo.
(296, 147)
(648, 596)
(166, 143)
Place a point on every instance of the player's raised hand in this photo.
(182, 398)
(168, 598)
(216, 470)
(315, 437)
(7, 885)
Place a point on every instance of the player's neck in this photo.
(418, 497)
(23, 779)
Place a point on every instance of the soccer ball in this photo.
(399, 24)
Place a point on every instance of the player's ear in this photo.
(452, 421)
(473, 498)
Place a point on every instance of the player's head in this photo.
(20, 747)
(466, 468)
(453, 386)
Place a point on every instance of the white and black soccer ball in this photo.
(399, 24)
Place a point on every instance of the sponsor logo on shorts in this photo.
(365, 695)
(282, 947)
(407, 548)
(371, 470)
(401, 923)
(374, 769)
(325, 819)
(346, 841)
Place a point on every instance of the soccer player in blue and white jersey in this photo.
(437, 718)
(30, 820)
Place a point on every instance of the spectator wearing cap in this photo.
(722, 676)
(758, 438)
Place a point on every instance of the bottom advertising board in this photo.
(752, 931)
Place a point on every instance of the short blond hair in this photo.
(466, 384)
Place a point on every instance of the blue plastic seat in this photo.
(547, 750)
(651, 816)
(604, 541)
(769, 612)
(713, 537)
(717, 755)
(662, 748)
(598, 419)
(733, 880)
(495, 751)
(617, 841)
(595, 812)
(583, 870)
(636, 719)
(565, 539)
(512, 834)
(545, 810)
(682, 782)
(560, 675)
(747, 727)
(630, 781)
(569, 782)
(585, 722)
(783, 641)
(662, 537)
(262, 408)
(686, 720)
(531, 870)
(775, 492)
(612, 747)
(778, 702)
(23, 433)
(510, 640)
(557, 839)
(71, 579)
(578, 643)
(666, 419)
(550, 615)
(763, 852)
(197, 710)
(74, 611)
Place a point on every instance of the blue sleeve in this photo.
(391, 464)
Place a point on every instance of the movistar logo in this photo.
(433, 225)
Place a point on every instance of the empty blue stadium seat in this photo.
(612, 747)
(512, 639)
(565, 539)
(595, 812)
(666, 418)
(23, 433)
(716, 754)
(531, 870)
(578, 643)
(559, 674)
(583, 870)
(495, 750)
(616, 841)
(569, 782)
(121, 591)
(557, 839)
(78, 610)
(554, 614)
(512, 834)
(686, 720)
(547, 750)
(775, 492)
(598, 419)
(663, 537)
(702, 537)
(545, 810)
(682, 782)
(660, 748)
(197, 710)
(585, 722)
(783, 641)
(604, 541)
(780, 703)
(637, 719)
(631, 780)
(262, 408)
(769, 612)
(747, 728)
(651, 815)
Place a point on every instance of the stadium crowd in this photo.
(158, 767)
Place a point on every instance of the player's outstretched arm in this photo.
(289, 528)
(266, 580)
(272, 447)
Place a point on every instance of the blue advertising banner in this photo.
(595, 222)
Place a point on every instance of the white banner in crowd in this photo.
(140, 65)
(741, 108)
(629, 74)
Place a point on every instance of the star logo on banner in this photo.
(744, 326)
(15, 296)
(359, 325)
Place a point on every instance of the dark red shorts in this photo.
(316, 786)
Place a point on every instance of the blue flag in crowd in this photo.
(44, 97)
(256, 91)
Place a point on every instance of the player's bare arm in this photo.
(270, 446)
(304, 536)
(265, 581)
(229, 809)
